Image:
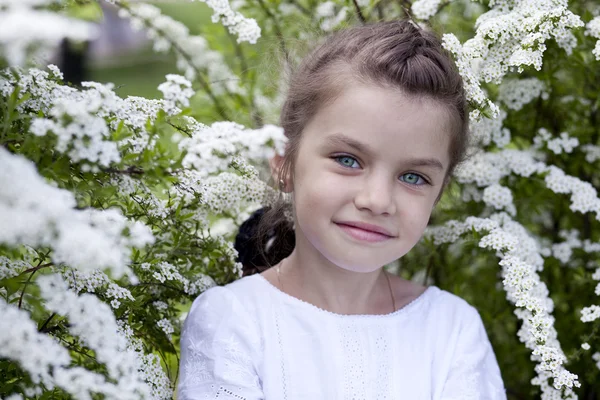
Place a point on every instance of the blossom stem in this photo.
(277, 27)
(359, 12)
(205, 85)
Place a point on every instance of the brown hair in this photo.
(396, 54)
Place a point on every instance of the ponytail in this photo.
(263, 240)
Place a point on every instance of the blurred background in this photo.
(124, 56)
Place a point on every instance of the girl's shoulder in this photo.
(432, 299)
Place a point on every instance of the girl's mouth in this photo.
(363, 235)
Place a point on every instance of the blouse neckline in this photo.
(404, 309)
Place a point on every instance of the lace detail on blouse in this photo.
(354, 362)
(384, 366)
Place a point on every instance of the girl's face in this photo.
(375, 156)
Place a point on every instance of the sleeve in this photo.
(474, 372)
(220, 350)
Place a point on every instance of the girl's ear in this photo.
(275, 163)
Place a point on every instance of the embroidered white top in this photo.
(248, 340)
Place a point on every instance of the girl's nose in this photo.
(376, 194)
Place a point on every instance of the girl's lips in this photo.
(361, 234)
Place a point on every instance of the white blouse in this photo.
(248, 340)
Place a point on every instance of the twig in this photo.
(301, 7)
(131, 170)
(200, 79)
(38, 267)
(361, 17)
(278, 30)
(43, 327)
(33, 271)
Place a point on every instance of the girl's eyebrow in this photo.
(339, 139)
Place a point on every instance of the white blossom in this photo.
(511, 35)
(487, 130)
(593, 30)
(192, 52)
(585, 346)
(558, 145)
(33, 212)
(500, 198)
(515, 93)
(425, 9)
(246, 29)
(167, 327)
(592, 152)
(330, 18)
(209, 149)
(176, 91)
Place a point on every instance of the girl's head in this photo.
(376, 120)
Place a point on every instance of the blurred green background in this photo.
(139, 72)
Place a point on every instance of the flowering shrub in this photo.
(116, 212)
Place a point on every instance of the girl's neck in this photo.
(327, 286)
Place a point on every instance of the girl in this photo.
(376, 121)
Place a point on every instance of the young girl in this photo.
(376, 121)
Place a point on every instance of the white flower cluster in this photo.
(557, 145)
(209, 149)
(485, 169)
(167, 327)
(592, 152)
(37, 354)
(592, 313)
(596, 357)
(176, 91)
(93, 322)
(500, 198)
(149, 367)
(80, 132)
(27, 33)
(466, 67)
(593, 30)
(564, 250)
(246, 29)
(231, 192)
(330, 19)
(192, 52)
(471, 193)
(141, 194)
(94, 281)
(164, 271)
(585, 346)
(525, 289)
(512, 34)
(34, 213)
(515, 93)
(10, 268)
(584, 197)
(85, 132)
(425, 9)
(487, 130)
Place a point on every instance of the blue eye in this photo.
(413, 179)
(346, 161)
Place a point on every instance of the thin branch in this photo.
(38, 267)
(220, 108)
(43, 327)
(305, 10)
(361, 17)
(131, 170)
(278, 30)
(33, 271)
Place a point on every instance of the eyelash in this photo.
(426, 182)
